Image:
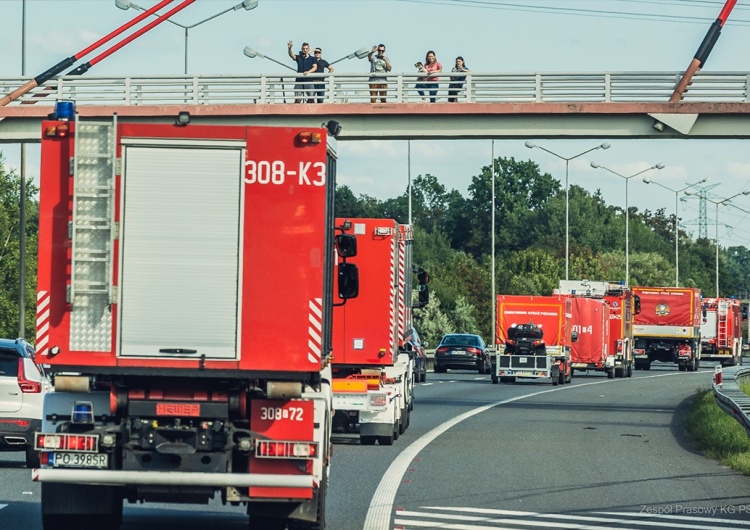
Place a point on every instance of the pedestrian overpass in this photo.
(490, 105)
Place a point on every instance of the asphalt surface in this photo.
(597, 453)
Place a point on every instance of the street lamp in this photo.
(247, 5)
(676, 229)
(359, 54)
(532, 145)
(716, 233)
(627, 212)
(253, 54)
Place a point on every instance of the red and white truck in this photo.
(721, 331)
(185, 296)
(666, 327)
(533, 335)
(373, 373)
(614, 354)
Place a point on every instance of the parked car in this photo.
(415, 347)
(23, 385)
(462, 351)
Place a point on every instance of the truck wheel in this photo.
(367, 440)
(682, 367)
(386, 440)
(73, 506)
(267, 522)
(611, 373)
(620, 372)
(697, 363)
(398, 427)
(494, 379)
(629, 370)
(320, 520)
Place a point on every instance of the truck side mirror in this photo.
(346, 244)
(636, 304)
(348, 280)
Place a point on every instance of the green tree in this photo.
(10, 185)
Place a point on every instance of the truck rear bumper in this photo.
(169, 478)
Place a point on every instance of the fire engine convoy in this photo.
(667, 328)
(186, 289)
(533, 336)
(721, 331)
(373, 374)
(603, 317)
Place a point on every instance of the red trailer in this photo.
(185, 295)
(591, 320)
(721, 331)
(619, 300)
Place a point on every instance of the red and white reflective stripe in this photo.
(42, 322)
(401, 287)
(393, 319)
(315, 330)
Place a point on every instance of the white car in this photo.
(23, 385)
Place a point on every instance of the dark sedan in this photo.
(462, 351)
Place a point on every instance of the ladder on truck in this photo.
(722, 309)
(91, 290)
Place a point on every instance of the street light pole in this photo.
(22, 205)
(250, 52)
(532, 145)
(716, 232)
(676, 228)
(627, 211)
(247, 5)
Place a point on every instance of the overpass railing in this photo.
(401, 88)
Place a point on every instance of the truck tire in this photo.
(611, 373)
(386, 440)
(620, 372)
(681, 367)
(629, 370)
(320, 521)
(367, 440)
(494, 379)
(74, 506)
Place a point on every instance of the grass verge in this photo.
(719, 435)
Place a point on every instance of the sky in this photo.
(514, 36)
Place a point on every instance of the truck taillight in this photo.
(61, 130)
(27, 386)
(285, 449)
(88, 443)
(619, 346)
(309, 137)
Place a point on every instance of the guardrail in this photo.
(728, 395)
(614, 87)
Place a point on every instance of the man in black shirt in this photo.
(321, 65)
(303, 89)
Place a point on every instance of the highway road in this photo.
(595, 454)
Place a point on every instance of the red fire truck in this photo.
(533, 337)
(184, 306)
(721, 331)
(615, 355)
(374, 374)
(666, 327)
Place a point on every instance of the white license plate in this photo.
(93, 460)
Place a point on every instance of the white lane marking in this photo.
(580, 518)
(3, 506)
(381, 506)
(688, 517)
(426, 384)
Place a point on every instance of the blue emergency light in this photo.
(64, 110)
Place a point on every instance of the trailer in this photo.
(185, 298)
(618, 339)
(721, 331)
(533, 339)
(374, 366)
(666, 327)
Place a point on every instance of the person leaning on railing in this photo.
(457, 81)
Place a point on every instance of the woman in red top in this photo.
(431, 66)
